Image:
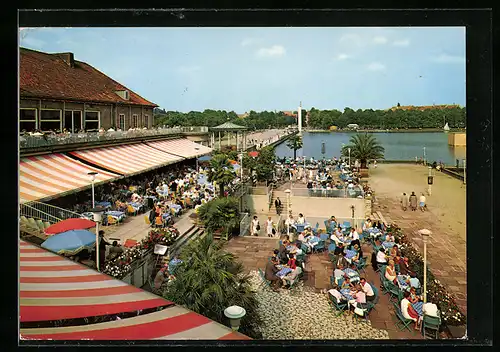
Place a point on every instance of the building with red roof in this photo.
(58, 92)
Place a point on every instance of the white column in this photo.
(299, 119)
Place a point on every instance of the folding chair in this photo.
(339, 307)
(402, 322)
(432, 323)
(263, 278)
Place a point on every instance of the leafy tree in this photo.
(221, 171)
(209, 280)
(363, 147)
(294, 143)
(220, 214)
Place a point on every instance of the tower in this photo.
(299, 117)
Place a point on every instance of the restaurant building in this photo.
(58, 92)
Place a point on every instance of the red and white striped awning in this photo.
(54, 288)
(129, 159)
(181, 146)
(45, 176)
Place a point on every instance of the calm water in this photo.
(398, 146)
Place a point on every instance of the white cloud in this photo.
(351, 38)
(273, 51)
(249, 41)
(189, 69)
(403, 42)
(342, 56)
(376, 66)
(379, 40)
(32, 42)
(449, 59)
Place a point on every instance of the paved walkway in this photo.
(254, 252)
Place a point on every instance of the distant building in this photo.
(290, 113)
(57, 92)
(422, 108)
(242, 116)
(353, 126)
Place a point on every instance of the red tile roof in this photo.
(44, 75)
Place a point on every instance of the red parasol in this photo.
(253, 154)
(68, 225)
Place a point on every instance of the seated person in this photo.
(390, 272)
(347, 283)
(301, 220)
(160, 277)
(135, 197)
(389, 238)
(114, 251)
(381, 257)
(359, 253)
(367, 289)
(339, 272)
(291, 262)
(283, 252)
(402, 265)
(290, 221)
(359, 296)
(335, 294)
(290, 278)
(367, 224)
(413, 281)
(339, 259)
(393, 252)
(414, 298)
(353, 234)
(270, 272)
(408, 311)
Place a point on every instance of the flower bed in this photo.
(436, 292)
(122, 265)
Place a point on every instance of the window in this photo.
(50, 119)
(121, 122)
(134, 121)
(73, 120)
(91, 121)
(27, 119)
(146, 121)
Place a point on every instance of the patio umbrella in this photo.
(424, 232)
(70, 242)
(205, 158)
(253, 154)
(69, 224)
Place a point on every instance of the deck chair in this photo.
(371, 305)
(32, 223)
(431, 323)
(39, 224)
(402, 322)
(346, 224)
(339, 307)
(319, 246)
(263, 278)
(361, 265)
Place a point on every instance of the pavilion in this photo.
(229, 127)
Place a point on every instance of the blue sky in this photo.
(245, 69)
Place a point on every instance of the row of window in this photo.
(73, 121)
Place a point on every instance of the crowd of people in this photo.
(411, 202)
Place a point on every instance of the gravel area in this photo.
(301, 313)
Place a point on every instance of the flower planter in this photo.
(456, 332)
(363, 172)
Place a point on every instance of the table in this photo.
(346, 293)
(418, 306)
(176, 207)
(349, 253)
(290, 248)
(118, 215)
(135, 205)
(103, 204)
(403, 285)
(386, 244)
(283, 272)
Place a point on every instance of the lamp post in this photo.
(425, 236)
(97, 217)
(424, 157)
(234, 313)
(349, 151)
(352, 215)
(197, 149)
(241, 165)
(464, 172)
(429, 181)
(288, 210)
(92, 175)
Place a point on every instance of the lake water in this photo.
(398, 146)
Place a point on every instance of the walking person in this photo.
(255, 226)
(404, 201)
(277, 205)
(422, 204)
(413, 201)
(269, 227)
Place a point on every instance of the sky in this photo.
(243, 69)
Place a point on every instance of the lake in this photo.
(398, 146)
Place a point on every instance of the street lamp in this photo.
(197, 149)
(430, 180)
(241, 166)
(235, 313)
(425, 236)
(97, 217)
(352, 215)
(288, 211)
(349, 151)
(92, 175)
(464, 172)
(424, 157)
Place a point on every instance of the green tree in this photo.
(221, 171)
(220, 214)
(363, 147)
(209, 280)
(294, 143)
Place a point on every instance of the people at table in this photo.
(390, 272)
(290, 221)
(334, 292)
(413, 298)
(291, 277)
(339, 259)
(367, 225)
(292, 262)
(270, 273)
(381, 257)
(402, 264)
(393, 252)
(347, 284)
(358, 255)
(367, 289)
(283, 252)
(408, 311)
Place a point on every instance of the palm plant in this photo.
(363, 147)
(220, 213)
(294, 143)
(209, 280)
(221, 171)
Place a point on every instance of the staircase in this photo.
(194, 232)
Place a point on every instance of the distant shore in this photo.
(410, 130)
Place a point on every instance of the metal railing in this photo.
(51, 211)
(312, 220)
(37, 141)
(245, 224)
(328, 193)
(37, 214)
(269, 191)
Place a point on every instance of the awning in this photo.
(54, 288)
(51, 175)
(181, 146)
(128, 160)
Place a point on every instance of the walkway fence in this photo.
(245, 224)
(329, 193)
(36, 141)
(47, 212)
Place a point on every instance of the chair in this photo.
(46, 224)
(331, 247)
(304, 248)
(339, 307)
(323, 237)
(263, 277)
(346, 224)
(371, 305)
(146, 220)
(319, 246)
(361, 265)
(300, 227)
(39, 224)
(112, 220)
(131, 210)
(432, 323)
(32, 223)
(403, 323)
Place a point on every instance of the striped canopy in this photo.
(54, 288)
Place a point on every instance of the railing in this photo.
(358, 222)
(329, 193)
(52, 211)
(269, 192)
(281, 224)
(245, 224)
(34, 213)
(32, 141)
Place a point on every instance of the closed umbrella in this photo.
(69, 224)
(253, 154)
(424, 232)
(70, 242)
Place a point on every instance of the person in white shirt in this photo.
(290, 221)
(269, 227)
(430, 309)
(255, 226)
(368, 289)
(339, 272)
(367, 224)
(335, 293)
(381, 257)
(422, 202)
(354, 235)
(408, 311)
(389, 238)
(301, 220)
